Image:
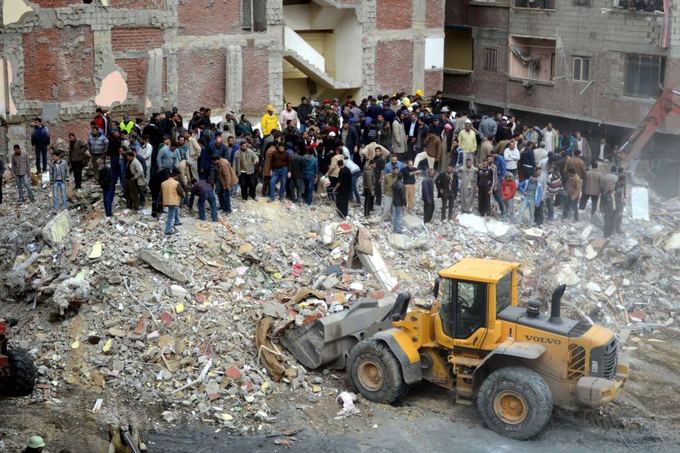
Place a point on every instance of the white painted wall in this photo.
(311, 17)
(434, 52)
(348, 49)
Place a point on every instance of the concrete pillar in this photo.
(154, 80)
(418, 63)
(234, 80)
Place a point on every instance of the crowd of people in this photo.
(388, 146)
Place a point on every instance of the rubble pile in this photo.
(191, 322)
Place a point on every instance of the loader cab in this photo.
(469, 296)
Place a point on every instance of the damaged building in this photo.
(61, 59)
(592, 65)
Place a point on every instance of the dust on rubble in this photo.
(161, 351)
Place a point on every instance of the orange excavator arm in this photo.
(665, 105)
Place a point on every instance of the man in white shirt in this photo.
(356, 173)
(550, 137)
(145, 151)
(604, 150)
(288, 114)
(511, 156)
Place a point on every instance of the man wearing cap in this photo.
(270, 121)
(468, 140)
(447, 138)
(35, 445)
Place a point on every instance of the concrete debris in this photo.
(163, 266)
(199, 328)
(57, 228)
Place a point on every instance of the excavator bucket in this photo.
(328, 340)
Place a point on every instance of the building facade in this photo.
(596, 61)
(61, 59)
(597, 66)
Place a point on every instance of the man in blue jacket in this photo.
(40, 139)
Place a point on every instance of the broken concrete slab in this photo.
(163, 266)
(56, 230)
(486, 225)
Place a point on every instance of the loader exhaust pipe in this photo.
(555, 304)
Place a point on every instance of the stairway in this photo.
(310, 62)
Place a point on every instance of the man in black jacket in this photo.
(343, 189)
(447, 190)
(398, 203)
(485, 187)
(428, 196)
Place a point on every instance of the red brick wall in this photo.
(59, 64)
(207, 17)
(202, 75)
(394, 66)
(135, 68)
(434, 80)
(255, 80)
(138, 4)
(135, 38)
(56, 3)
(434, 14)
(394, 14)
(61, 130)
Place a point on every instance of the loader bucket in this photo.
(328, 340)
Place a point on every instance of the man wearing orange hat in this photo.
(270, 121)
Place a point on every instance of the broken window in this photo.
(644, 75)
(254, 15)
(458, 49)
(490, 59)
(640, 5)
(535, 4)
(532, 58)
(581, 69)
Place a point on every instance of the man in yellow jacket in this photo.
(270, 121)
(172, 194)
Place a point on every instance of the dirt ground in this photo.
(644, 417)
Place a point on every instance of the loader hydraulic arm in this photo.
(664, 106)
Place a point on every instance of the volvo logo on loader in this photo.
(536, 339)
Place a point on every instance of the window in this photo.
(644, 75)
(471, 308)
(640, 5)
(503, 292)
(458, 49)
(581, 69)
(535, 4)
(490, 59)
(532, 58)
(254, 15)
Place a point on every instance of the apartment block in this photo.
(60, 59)
(593, 65)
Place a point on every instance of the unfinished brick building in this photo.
(62, 58)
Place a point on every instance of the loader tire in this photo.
(376, 373)
(515, 402)
(22, 380)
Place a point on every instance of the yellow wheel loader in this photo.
(515, 362)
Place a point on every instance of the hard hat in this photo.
(270, 108)
(419, 92)
(36, 442)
